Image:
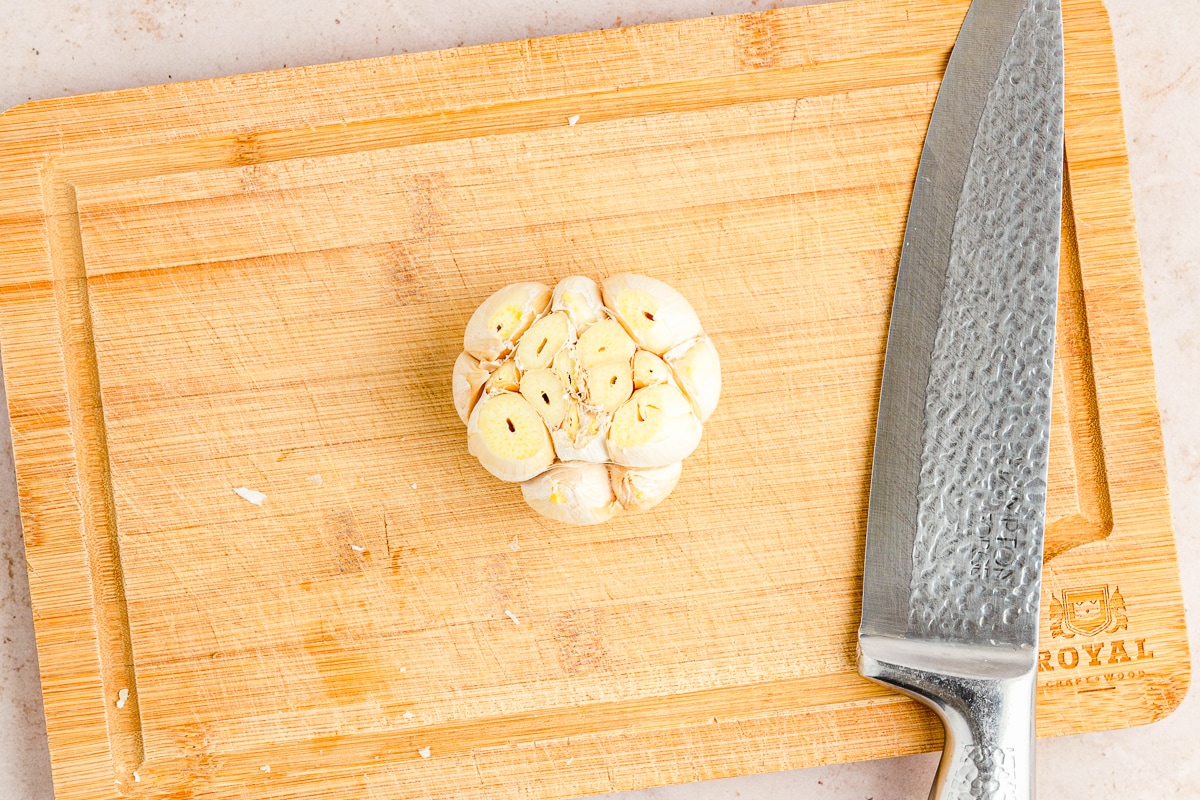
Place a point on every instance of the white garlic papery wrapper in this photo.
(588, 395)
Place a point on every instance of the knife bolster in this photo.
(985, 699)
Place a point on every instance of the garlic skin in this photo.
(467, 384)
(697, 370)
(643, 489)
(590, 396)
(498, 323)
(578, 493)
(509, 438)
(656, 316)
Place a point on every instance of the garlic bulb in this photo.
(590, 396)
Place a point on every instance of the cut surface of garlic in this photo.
(509, 438)
(697, 370)
(588, 395)
(655, 428)
(656, 316)
(498, 323)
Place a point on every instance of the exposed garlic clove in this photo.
(509, 438)
(605, 341)
(656, 427)
(546, 394)
(697, 370)
(609, 385)
(566, 367)
(581, 436)
(467, 383)
(643, 489)
(505, 378)
(496, 325)
(649, 370)
(579, 297)
(656, 316)
(543, 340)
(574, 492)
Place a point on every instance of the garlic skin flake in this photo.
(588, 395)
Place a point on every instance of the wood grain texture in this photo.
(252, 281)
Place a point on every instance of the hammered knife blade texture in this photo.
(952, 576)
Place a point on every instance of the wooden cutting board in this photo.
(256, 281)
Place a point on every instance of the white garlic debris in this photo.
(590, 396)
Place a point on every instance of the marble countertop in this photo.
(51, 48)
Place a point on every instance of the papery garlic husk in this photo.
(581, 436)
(643, 489)
(543, 340)
(697, 370)
(579, 297)
(509, 438)
(498, 323)
(575, 492)
(467, 384)
(656, 427)
(656, 316)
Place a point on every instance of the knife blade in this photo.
(953, 557)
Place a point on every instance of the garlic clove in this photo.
(656, 427)
(656, 316)
(605, 341)
(509, 438)
(496, 325)
(505, 378)
(566, 368)
(581, 436)
(609, 385)
(649, 370)
(579, 297)
(467, 384)
(697, 370)
(543, 340)
(578, 493)
(546, 394)
(643, 489)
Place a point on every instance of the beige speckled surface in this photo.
(57, 48)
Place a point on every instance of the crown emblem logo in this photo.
(1090, 611)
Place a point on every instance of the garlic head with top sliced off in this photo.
(588, 395)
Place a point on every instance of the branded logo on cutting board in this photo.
(1084, 652)
(1087, 612)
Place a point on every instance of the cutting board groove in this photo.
(256, 280)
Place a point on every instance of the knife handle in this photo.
(989, 722)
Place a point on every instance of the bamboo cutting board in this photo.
(262, 282)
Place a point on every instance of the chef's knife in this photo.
(952, 578)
